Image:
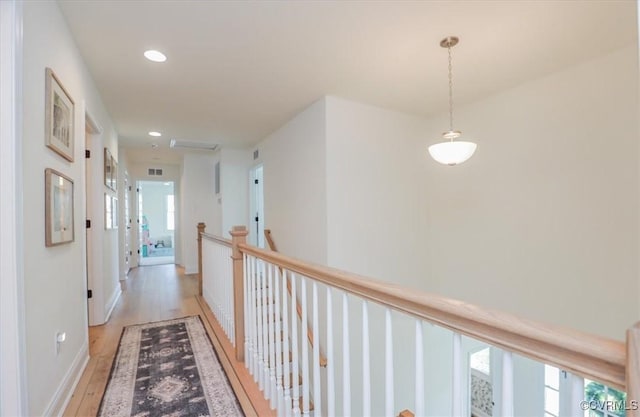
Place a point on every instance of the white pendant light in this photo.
(451, 152)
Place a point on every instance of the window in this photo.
(604, 401)
(171, 212)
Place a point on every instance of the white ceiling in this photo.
(236, 71)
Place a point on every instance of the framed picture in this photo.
(114, 174)
(114, 212)
(59, 116)
(58, 208)
(108, 214)
(108, 169)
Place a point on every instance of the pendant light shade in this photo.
(451, 152)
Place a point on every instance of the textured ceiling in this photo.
(236, 71)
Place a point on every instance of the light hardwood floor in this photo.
(151, 293)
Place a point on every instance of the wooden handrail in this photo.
(269, 238)
(217, 239)
(587, 355)
(272, 246)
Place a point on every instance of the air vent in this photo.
(154, 171)
(200, 146)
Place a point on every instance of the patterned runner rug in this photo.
(168, 368)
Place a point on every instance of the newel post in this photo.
(633, 371)
(238, 236)
(201, 227)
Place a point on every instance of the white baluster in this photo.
(245, 300)
(231, 285)
(419, 383)
(220, 286)
(305, 348)
(388, 374)
(225, 290)
(265, 332)
(456, 397)
(279, 353)
(247, 312)
(507, 384)
(272, 340)
(252, 313)
(259, 309)
(577, 395)
(285, 346)
(295, 388)
(331, 387)
(317, 396)
(217, 289)
(366, 371)
(346, 368)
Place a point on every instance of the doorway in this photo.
(157, 222)
(256, 231)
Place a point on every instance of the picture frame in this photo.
(114, 174)
(59, 117)
(114, 212)
(108, 214)
(59, 216)
(108, 171)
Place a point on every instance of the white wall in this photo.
(234, 187)
(54, 278)
(123, 221)
(199, 204)
(108, 241)
(13, 390)
(543, 220)
(376, 200)
(295, 198)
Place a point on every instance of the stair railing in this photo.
(273, 352)
(273, 247)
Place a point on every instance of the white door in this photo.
(88, 231)
(256, 229)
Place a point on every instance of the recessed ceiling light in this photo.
(155, 56)
(155, 134)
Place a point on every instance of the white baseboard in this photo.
(112, 303)
(68, 384)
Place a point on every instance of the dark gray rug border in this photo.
(115, 357)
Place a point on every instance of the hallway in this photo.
(151, 293)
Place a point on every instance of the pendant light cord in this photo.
(450, 93)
